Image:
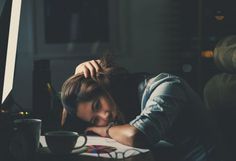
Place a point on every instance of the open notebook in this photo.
(103, 147)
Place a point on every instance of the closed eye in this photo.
(95, 108)
(96, 105)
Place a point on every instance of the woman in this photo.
(139, 111)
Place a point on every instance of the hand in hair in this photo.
(89, 68)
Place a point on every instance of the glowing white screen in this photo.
(11, 48)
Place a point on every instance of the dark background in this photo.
(146, 36)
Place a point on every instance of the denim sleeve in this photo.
(161, 109)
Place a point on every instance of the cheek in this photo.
(84, 111)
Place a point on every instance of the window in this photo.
(75, 28)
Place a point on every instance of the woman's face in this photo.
(98, 112)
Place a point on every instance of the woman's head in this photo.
(109, 97)
(89, 99)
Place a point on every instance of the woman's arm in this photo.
(124, 134)
(128, 135)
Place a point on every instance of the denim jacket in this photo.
(171, 111)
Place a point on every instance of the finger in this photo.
(96, 65)
(88, 129)
(91, 129)
(98, 61)
(92, 70)
(79, 69)
(86, 72)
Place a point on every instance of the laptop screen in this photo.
(9, 27)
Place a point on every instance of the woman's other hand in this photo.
(89, 68)
(101, 131)
(125, 134)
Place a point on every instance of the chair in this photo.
(220, 94)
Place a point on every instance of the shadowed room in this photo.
(124, 50)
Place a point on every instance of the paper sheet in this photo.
(121, 152)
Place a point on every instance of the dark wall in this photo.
(153, 36)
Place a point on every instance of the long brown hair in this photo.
(77, 88)
(80, 89)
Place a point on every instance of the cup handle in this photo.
(85, 141)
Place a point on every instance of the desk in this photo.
(132, 154)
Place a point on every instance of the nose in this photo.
(103, 118)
